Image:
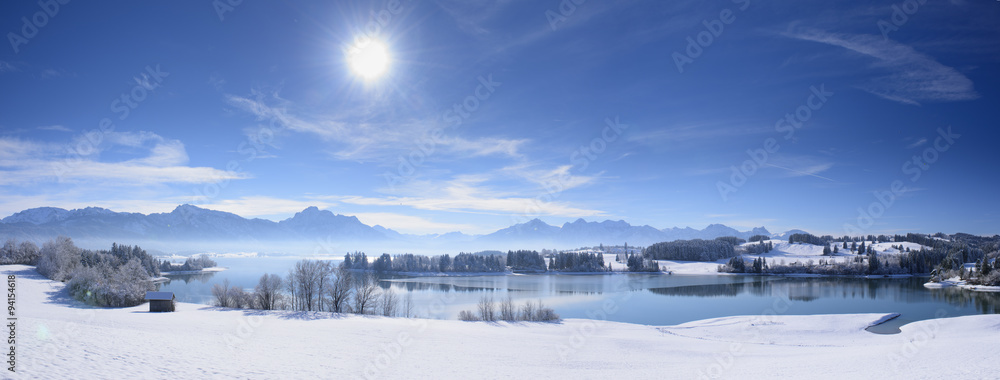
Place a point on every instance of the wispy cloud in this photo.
(55, 128)
(807, 171)
(363, 140)
(6, 67)
(161, 161)
(801, 165)
(913, 77)
(917, 143)
(258, 206)
(696, 131)
(411, 224)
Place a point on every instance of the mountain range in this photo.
(194, 224)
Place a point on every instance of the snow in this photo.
(61, 338)
(202, 270)
(783, 252)
(957, 282)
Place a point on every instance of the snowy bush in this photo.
(992, 279)
(13, 253)
(467, 316)
(58, 258)
(529, 312)
(107, 286)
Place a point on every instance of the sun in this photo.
(369, 61)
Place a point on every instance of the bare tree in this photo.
(527, 311)
(323, 272)
(487, 309)
(340, 291)
(389, 303)
(221, 294)
(366, 294)
(507, 312)
(239, 298)
(292, 284)
(467, 316)
(267, 291)
(306, 273)
(408, 305)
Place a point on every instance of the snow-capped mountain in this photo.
(188, 223)
(786, 234)
(582, 232)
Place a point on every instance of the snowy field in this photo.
(58, 338)
(783, 252)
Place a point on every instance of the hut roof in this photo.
(159, 296)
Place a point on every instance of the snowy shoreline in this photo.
(203, 270)
(59, 337)
(955, 282)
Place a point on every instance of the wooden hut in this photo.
(160, 301)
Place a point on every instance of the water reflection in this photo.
(984, 302)
(203, 277)
(902, 290)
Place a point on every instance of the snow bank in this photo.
(203, 270)
(60, 338)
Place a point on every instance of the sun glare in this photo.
(369, 61)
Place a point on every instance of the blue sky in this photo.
(493, 113)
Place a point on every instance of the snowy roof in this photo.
(159, 296)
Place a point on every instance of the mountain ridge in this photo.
(189, 222)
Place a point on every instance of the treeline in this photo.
(759, 248)
(577, 262)
(691, 250)
(314, 285)
(192, 263)
(490, 311)
(463, 262)
(526, 260)
(808, 239)
(638, 263)
(739, 265)
(13, 253)
(118, 277)
(520, 260)
(985, 273)
(118, 256)
(945, 260)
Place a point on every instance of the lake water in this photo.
(641, 298)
